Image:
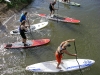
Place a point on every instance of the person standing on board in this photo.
(22, 30)
(23, 17)
(51, 7)
(63, 49)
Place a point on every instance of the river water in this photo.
(86, 35)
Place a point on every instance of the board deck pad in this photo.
(60, 18)
(67, 65)
(31, 43)
(32, 28)
(70, 3)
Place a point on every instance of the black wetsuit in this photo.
(50, 6)
(22, 32)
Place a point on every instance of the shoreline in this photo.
(6, 12)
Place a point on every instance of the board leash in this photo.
(77, 60)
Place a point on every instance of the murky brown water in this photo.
(14, 61)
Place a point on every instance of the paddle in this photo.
(29, 25)
(76, 58)
(57, 11)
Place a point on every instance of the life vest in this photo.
(60, 48)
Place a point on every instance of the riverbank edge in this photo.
(6, 12)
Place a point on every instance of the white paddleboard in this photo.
(32, 28)
(70, 3)
(67, 65)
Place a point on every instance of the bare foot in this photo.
(58, 67)
(61, 62)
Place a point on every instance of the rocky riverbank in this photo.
(5, 11)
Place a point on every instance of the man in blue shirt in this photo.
(23, 17)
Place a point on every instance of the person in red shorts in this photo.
(61, 50)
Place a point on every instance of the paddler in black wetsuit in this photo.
(51, 7)
(22, 30)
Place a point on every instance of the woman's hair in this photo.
(68, 45)
(25, 13)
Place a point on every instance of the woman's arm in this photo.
(65, 51)
(62, 43)
(70, 40)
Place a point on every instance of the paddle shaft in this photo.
(57, 11)
(29, 26)
(76, 58)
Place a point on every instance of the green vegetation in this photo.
(16, 3)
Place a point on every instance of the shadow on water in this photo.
(3, 28)
(77, 72)
(71, 26)
(37, 53)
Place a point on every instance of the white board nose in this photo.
(89, 62)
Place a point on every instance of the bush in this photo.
(2, 1)
(16, 3)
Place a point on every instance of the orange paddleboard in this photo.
(60, 18)
(31, 43)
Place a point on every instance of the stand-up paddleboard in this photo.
(67, 65)
(31, 43)
(32, 28)
(60, 18)
(70, 3)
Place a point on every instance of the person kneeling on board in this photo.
(61, 50)
(22, 30)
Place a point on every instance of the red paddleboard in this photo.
(60, 18)
(31, 43)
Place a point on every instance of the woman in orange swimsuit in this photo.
(61, 50)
